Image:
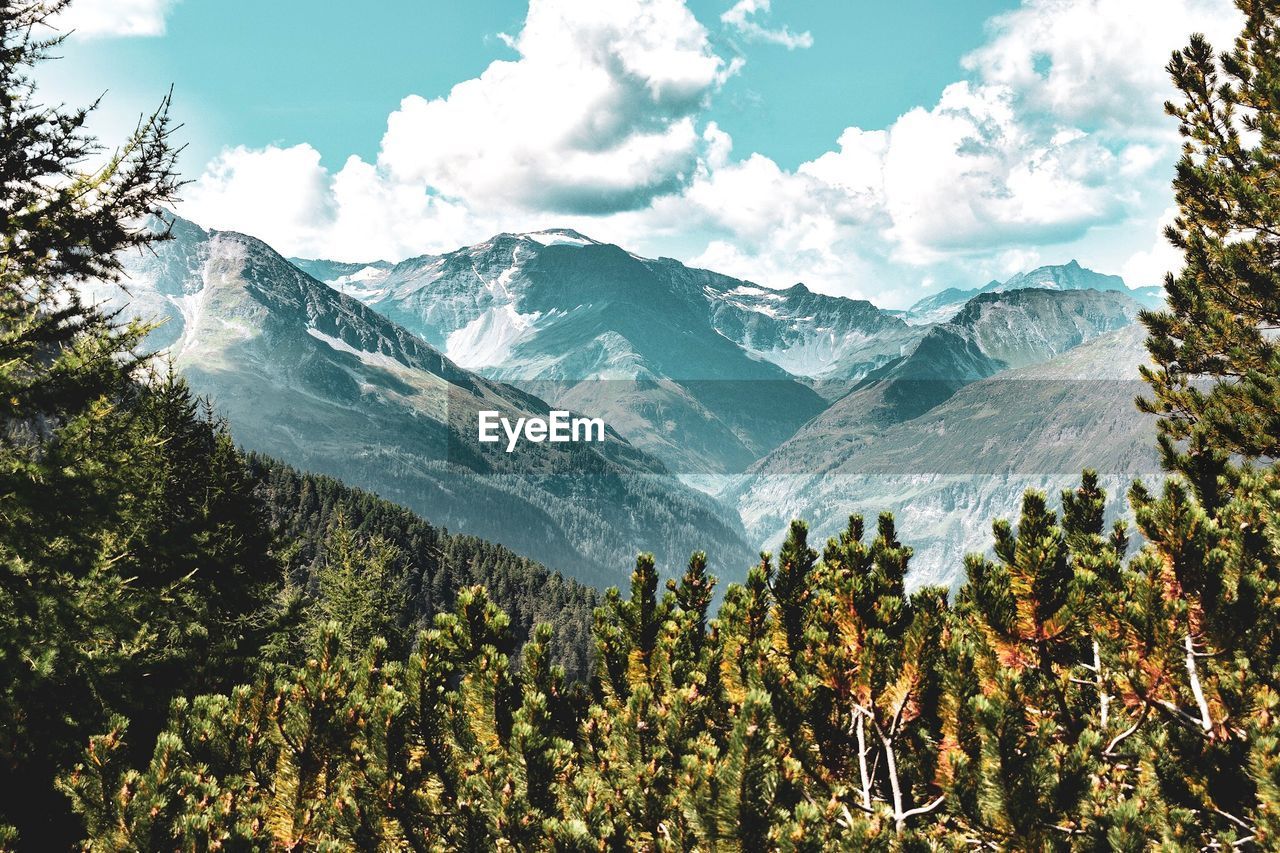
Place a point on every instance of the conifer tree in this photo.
(356, 589)
(1199, 649)
(791, 583)
(878, 655)
(691, 599)
(1032, 709)
(1226, 299)
(67, 211)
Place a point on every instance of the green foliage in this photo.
(132, 561)
(136, 567)
(1031, 717)
(356, 592)
(1227, 297)
(430, 564)
(447, 749)
(1072, 696)
(1054, 707)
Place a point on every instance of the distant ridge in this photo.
(939, 307)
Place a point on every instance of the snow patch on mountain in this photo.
(934, 316)
(501, 285)
(559, 237)
(751, 290)
(191, 307)
(363, 284)
(373, 359)
(812, 353)
(487, 340)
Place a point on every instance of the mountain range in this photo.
(318, 379)
(673, 357)
(950, 470)
(942, 306)
(772, 403)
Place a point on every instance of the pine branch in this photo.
(1205, 722)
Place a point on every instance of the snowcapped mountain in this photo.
(825, 404)
(677, 359)
(481, 302)
(1068, 276)
(318, 379)
(811, 334)
(940, 307)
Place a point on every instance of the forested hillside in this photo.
(433, 565)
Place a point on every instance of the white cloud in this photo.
(281, 194)
(1097, 62)
(742, 17)
(970, 173)
(597, 114)
(602, 124)
(1150, 265)
(106, 18)
(288, 198)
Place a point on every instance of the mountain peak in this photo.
(1069, 276)
(559, 237)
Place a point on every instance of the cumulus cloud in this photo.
(970, 174)
(1160, 257)
(742, 18)
(106, 18)
(597, 114)
(284, 192)
(1051, 147)
(1095, 62)
(287, 197)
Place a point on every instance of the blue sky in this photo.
(873, 149)
(291, 71)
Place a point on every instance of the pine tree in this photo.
(59, 225)
(691, 599)
(1200, 645)
(1033, 697)
(791, 583)
(66, 372)
(877, 652)
(356, 589)
(1227, 297)
(133, 563)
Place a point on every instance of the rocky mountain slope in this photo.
(809, 334)
(948, 472)
(323, 382)
(990, 333)
(941, 307)
(673, 357)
